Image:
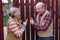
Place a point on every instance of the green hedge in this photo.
(5, 19)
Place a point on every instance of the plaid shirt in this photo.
(47, 21)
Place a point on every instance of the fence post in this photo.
(1, 22)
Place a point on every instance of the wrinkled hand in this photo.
(31, 21)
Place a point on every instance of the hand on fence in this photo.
(24, 24)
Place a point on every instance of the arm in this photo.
(46, 22)
(14, 28)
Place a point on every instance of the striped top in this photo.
(14, 28)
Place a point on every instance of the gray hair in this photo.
(13, 10)
(41, 4)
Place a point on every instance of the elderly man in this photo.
(44, 22)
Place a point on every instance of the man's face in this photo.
(39, 9)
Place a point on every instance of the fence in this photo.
(27, 10)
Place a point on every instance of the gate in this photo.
(27, 10)
(1, 22)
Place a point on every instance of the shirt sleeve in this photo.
(46, 22)
(14, 28)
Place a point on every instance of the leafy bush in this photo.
(5, 19)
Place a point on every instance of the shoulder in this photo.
(49, 13)
(10, 20)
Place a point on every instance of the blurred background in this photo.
(6, 4)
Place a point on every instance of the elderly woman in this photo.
(44, 22)
(15, 28)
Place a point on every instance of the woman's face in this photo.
(17, 15)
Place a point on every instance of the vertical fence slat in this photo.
(53, 13)
(52, 7)
(1, 22)
(44, 1)
(27, 16)
(52, 10)
(22, 14)
(48, 5)
(22, 9)
(32, 8)
(32, 15)
(57, 19)
(56, 38)
(59, 29)
(16, 3)
(38, 1)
